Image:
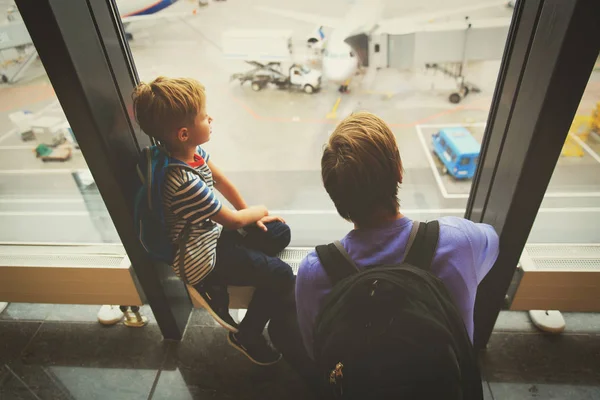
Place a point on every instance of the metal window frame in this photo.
(550, 54)
(87, 59)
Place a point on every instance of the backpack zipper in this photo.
(335, 378)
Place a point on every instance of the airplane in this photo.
(146, 10)
(130, 11)
(17, 36)
(342, 54)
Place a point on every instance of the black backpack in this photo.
(393, 331)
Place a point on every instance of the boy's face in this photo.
(199, 132)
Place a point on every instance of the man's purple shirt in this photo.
(465, 253)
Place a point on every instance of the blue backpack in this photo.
(149, 215)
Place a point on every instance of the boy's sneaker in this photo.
(216, 302)
(255, 348)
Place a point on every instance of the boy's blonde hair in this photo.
(165, 105)
(361, 168)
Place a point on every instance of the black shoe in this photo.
(255, 348)
(216, 301)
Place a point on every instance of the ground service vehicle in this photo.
(296, 76)
(458, 151)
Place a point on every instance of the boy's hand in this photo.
(265, 220)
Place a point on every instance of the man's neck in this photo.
(379, 219)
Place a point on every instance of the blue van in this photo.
(458, 151)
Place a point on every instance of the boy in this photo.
(361, 170)
(173, 111)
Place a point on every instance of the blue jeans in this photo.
(250, 261)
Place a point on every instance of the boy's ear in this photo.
(182, 134)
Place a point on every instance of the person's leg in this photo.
(212, 291)
(272, 279)
(239, 265)
(271, 242)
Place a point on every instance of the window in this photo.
(51, 212)
(270, 142)
(452, 155)
(49, 196)
(561, 260)
(570, 211)
(377, 48)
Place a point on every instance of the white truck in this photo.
(266, 51)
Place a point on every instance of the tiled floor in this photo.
(61, 352)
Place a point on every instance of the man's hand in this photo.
(265, 220)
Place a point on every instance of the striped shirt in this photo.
(188, 198)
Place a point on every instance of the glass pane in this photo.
(47, 193)
(561, 260)
(570, 212)
(268, 138)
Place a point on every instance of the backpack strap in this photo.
(411, 239)
(423, 247)
(336, 261)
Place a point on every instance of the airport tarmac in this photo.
(270, 142)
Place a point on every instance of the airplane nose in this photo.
(339, 71)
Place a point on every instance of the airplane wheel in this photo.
(4, 78)
(455, 98)
(256, 86)
(308, 89)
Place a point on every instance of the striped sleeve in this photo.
(194, 200)
(203, 153)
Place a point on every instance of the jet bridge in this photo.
(445, 47)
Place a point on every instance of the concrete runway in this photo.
(270, 142)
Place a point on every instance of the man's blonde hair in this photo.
(165, 105)
(361, 168)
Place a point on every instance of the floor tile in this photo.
(26, 311)
(83, 382)
(514, 321)
(582, 322)
(73, 313)
(523, 391)
(12, 388)
(90, 361)
(487, 393)
(203, 365)
(60, 312)
(519, 321)
(553, 359)
(201, 317)
(14, 336)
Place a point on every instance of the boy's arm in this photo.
(232, 219)
(194, 201)
(227, 188)
(230, 192)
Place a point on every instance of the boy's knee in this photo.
(279, 236)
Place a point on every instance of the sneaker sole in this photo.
(213, 314)
(241, 349)
(113, 321)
